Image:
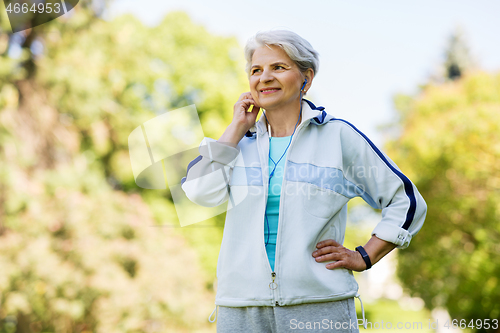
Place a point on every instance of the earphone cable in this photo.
(276, 163)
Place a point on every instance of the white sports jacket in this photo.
(329, 162)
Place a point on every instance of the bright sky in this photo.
(369, 50)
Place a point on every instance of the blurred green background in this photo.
(84, 249)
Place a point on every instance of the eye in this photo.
(255, 70)
(279, 67)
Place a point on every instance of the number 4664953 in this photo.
(473, 323)
(35, 8)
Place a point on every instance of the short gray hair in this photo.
(297, 48)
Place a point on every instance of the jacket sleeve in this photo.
(382, 185)
(207, 179)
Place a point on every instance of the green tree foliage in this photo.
(79, 249)
(450, 147)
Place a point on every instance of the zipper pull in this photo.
(273, 284)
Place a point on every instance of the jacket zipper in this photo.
(266, 192)
(273, 274)
(272, 285)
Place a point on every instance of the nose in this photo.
(266, 76)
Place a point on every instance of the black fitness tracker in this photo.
(365, 256)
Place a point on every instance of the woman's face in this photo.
(275, 80)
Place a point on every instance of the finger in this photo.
(245, 103)
(245, 95)
(327, 242)
(325, 250)
(337, 264)
(252, 101)
(249, 101)
(255, 108)
(330, 256)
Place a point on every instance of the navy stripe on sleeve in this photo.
(407, 183)
(190, 165)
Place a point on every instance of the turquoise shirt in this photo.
(277, 147)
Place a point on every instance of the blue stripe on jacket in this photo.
(410, 214)
(407, 183)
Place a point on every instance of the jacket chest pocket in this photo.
(320, 202)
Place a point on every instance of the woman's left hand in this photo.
(345, 258)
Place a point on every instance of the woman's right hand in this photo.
(242, 120)
(241, 117)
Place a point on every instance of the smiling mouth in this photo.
(269, 91)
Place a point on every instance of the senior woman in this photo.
(287, 179)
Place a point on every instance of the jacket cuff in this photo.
(218, 152)
(393, 234)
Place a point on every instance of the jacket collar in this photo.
(310, 113)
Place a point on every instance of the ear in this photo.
(309, 75)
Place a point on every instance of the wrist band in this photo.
(365, 256)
